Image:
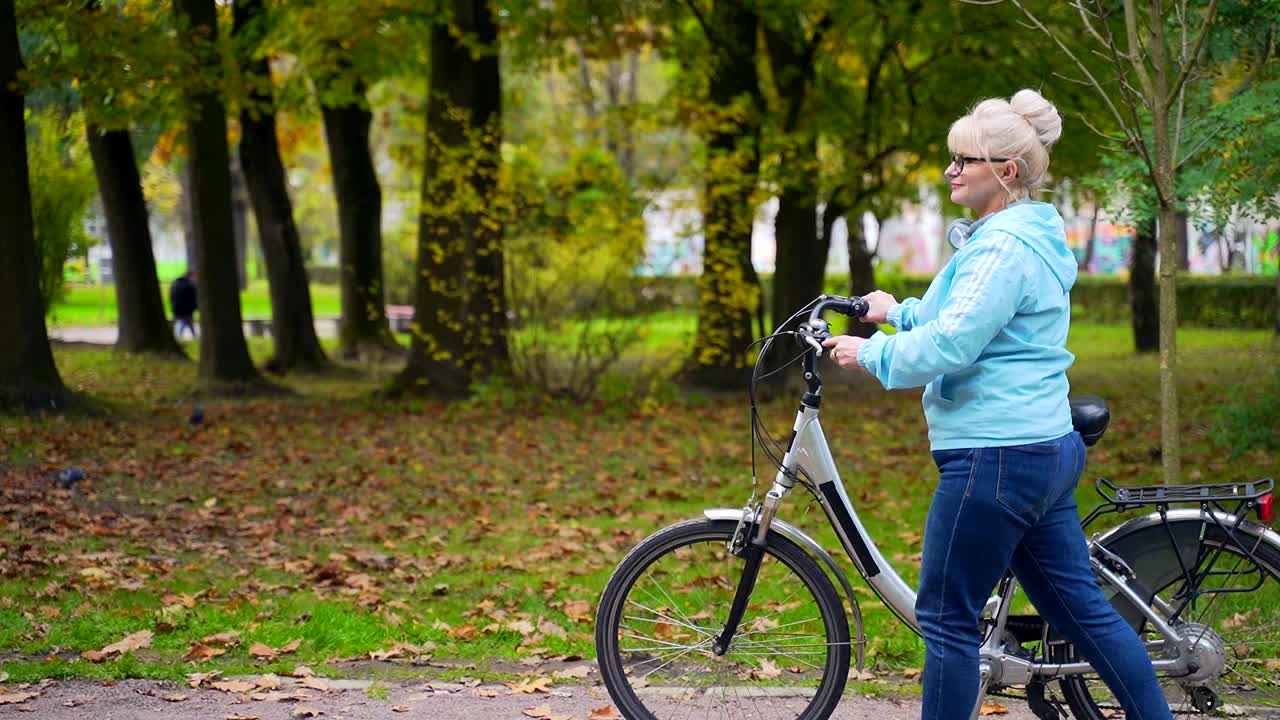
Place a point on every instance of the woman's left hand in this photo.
(844, 350)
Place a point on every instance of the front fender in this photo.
(796, 535)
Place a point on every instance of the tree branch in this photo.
(1134, 54)
(702, 21)
(1199, 146)
(1190, 65)
(1132, 134)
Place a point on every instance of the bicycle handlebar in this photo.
(853, 306)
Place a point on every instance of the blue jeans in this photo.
(997, 508)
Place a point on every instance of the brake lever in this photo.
(811, 331)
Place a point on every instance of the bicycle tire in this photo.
(1148, 552)
(621, 661)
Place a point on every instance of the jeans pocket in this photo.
(1027, 477)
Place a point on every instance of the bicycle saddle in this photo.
(1089, 416)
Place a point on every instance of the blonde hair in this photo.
(1022, 128)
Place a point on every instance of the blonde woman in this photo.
(988, 343)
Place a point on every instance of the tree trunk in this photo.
(1091, 243)
(1143, 298)
(224, 356)
(28, 376)
(293, 329)
(729, 288)
(1183, 239)
(801, 257)
(364, 329)
(240, 223)
(184, 212)
(1167, 221)
(144, 326)
(1170, 429)
(862, 273)
(460, 301)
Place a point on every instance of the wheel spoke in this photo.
(665, 624)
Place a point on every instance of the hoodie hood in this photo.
(1039, 225)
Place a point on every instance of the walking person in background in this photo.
(183, 303)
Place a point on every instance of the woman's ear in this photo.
(1010, 171)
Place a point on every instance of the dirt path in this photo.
(148, 700)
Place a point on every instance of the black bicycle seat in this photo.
(1089, 416)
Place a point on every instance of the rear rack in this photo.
(1168, 494)
(1231, 498)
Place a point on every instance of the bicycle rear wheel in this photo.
(1227, 597)
(667, 601)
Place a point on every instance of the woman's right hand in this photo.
(879, 302)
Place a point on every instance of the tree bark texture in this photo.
(729, 288)
(801, 257)
(29, 378)
(240, 222)
(862, 273)
(1143, 297)
(460, 302)
(143, 322)
(1091, 243)
(1167, 222)
(293, 330)
(224, 356)
(364, 328)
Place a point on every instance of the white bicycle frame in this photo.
(810, 454)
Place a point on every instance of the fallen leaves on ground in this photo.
(544, 712)
(266, 652)
(992, 709)
(529, 685)
(200, 651)
(18, 697)
(232, 686)
(129, 643)
(574, 673)
(604, 713)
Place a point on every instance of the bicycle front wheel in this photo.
(1223, 595)
(668, 600)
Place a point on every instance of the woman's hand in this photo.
(880, 303)
(844, 350)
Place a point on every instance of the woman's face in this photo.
(974, 181)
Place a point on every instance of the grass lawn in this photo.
(89, 305)
(466, 532)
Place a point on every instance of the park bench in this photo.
(258, 327)
(400, 317)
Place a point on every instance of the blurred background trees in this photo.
(521, 189)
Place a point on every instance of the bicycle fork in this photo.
(754, 531)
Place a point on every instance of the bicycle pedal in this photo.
(1040, 707)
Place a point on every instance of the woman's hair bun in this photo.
(1041, 113)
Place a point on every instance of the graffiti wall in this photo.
(913, 240)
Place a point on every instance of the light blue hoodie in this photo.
(988, 339)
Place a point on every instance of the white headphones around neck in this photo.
(959, 231)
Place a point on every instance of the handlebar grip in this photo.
(853, 306)
(857, 307)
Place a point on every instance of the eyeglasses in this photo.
(960, 160)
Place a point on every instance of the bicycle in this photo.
(736, 615)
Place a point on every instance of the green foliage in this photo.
(62, 189)
(576, 238)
